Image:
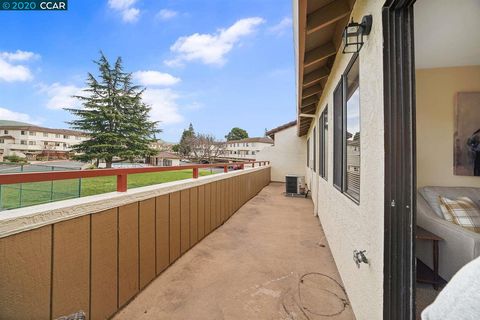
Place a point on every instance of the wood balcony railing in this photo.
(121, 173)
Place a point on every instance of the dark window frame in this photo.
(308, 153)
(338, 136)
(315, 149)
(340, 133)
(322, 144)
(348, 192)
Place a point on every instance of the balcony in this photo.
(224, 246)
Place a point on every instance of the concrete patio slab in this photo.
(269, 261)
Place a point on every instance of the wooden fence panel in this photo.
(25, 271)
(128, 277)
(174, 226)
(162, 221)
(201, 212)
(185, 220)
(71, 265)
(104, 286)
(193, 216)
(146, 234)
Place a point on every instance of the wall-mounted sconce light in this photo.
(354, 33)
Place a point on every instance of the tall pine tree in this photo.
(114, 117)
(184, 147)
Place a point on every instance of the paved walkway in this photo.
(269, 261)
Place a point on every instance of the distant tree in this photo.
(184, 147)
(236, 134)
(176, 147)
(113, 116)
(205, 147)
(15, 159)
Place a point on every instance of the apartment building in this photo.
(246, 148)
(29, 141)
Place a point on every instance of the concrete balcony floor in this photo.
(269, 261)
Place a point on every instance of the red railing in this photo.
(122, 174)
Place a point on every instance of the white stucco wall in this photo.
(287, 155)
(349, 226)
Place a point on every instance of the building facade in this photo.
(30, 141)
(246, 149)
(164, 159)
(287, 155)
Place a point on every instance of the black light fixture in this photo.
(354, 33)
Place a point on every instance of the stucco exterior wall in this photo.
(349, 226)
(435, 91)
(287, 155)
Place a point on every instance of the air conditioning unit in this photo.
(295, 185)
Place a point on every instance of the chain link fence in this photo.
(27, 194)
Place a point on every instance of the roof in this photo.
(318, 34)
(254, 139)
(167, 155)
(7, 137)
(271, 132)
(9, 124)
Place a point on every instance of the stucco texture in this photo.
(287, 155)
(349, 226)
(435, 91)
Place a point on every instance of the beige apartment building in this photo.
(246, 148)
(29, 141)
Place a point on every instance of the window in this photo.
(308, 153)
(5, 131)
(57, 136)
(24, 142)
(338, 137)
(314, 149)
(45, 134)
(23, 132)
(253, 152)
(2, 141)
(66, 137)
(347, 132)
(323, 144)
(352, 135)
(32, 133)
(32, 143)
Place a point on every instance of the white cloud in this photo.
(166, 14)
(280, 28)
(60, 96)
(7, 114)
(164, 105)
(155, 78)
(212, 48)
(11, 71)
(19, 55)
(126, 8)
(130, 15)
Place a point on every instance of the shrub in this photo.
(14, 159)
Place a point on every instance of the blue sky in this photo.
(215, 63)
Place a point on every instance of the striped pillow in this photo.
(462, 211)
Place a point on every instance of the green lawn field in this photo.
(12, 196)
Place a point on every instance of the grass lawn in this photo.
(12, 196)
